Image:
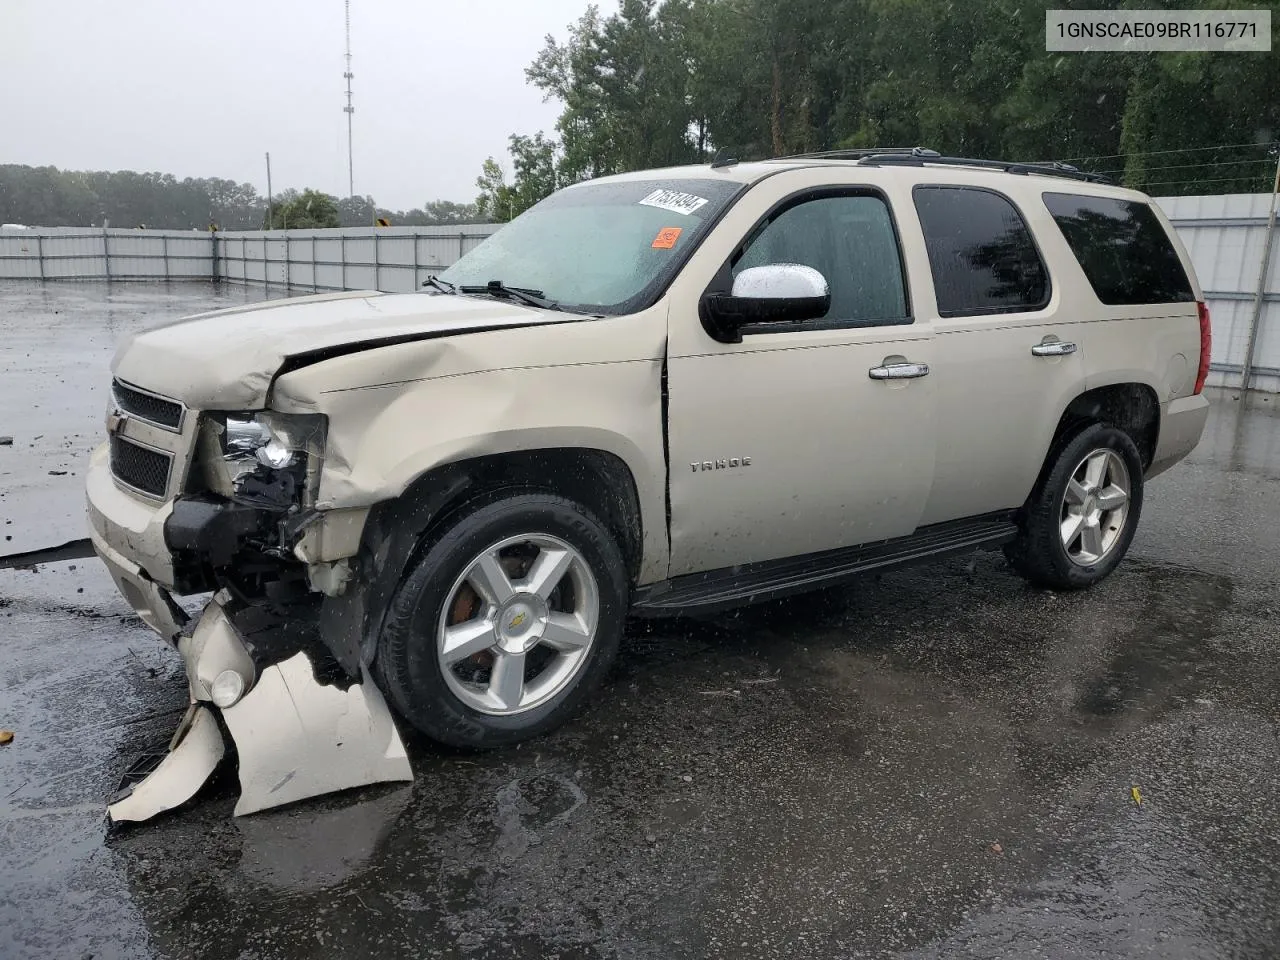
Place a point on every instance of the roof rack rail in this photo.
(919, 156)
(1052, 169)
(857, 153)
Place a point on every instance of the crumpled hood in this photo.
(226, 360)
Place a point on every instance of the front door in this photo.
(787, 443)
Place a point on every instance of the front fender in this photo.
(397, 412)
(382, 439)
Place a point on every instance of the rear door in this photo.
(1008, 356)
(1146, 325)
(784, 444)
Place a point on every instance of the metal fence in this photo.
(1225, 235)
(82, 253)
(394, 259)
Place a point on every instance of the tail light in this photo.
(1206, 345)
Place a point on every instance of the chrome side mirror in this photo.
(783, 281)
(773, 293)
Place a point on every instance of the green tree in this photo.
(46, 196)
(447, 211)
(495, 202)
(1210, 101)
(536, 171)
(623, 81)
(536, 163)
(662, 82)
(356, 211)
(308, 210)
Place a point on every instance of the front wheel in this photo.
(1081, 518)
(506, 623)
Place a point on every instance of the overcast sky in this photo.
(206, 89)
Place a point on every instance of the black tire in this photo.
(1038, 553)
(407, 664)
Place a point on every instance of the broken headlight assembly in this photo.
(268, 459)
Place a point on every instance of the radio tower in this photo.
(349, 109)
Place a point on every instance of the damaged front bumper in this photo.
(302, 725)
(295, 736)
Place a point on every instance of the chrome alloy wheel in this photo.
(518, 624)
(1095, 507)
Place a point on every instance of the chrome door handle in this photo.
(899, 371)
(1053, 348)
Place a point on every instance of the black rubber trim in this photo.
(750, 583)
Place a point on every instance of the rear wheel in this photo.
(1081, 518)
(506, 623)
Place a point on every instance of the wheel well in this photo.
(598, 480)
(1133, 407)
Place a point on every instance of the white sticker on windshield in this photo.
(673, 200)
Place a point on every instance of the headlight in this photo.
(243, 437)
(275, 454)
(271, 438)
(265, 445)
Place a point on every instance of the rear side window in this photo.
(1122, 248)
(980, 252)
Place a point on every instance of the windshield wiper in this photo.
(497, 288)
(439, 284)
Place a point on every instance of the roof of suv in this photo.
(912, 168)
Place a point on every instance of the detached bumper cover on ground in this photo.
(295, 737)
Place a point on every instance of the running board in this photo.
(767, 580)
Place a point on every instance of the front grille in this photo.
(142, 468)
(147, 406)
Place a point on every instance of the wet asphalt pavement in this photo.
(938, 762)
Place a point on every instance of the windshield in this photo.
(598, 247)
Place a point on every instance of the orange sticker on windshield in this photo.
(666, 238)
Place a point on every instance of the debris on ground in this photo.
(1136, 794)
(6, 736)
(996, 848)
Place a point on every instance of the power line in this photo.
(1183, 166)
(1165, 183)
(1154, 153)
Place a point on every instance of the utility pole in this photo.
(1259, 296)
(349, 109)
(269, 202)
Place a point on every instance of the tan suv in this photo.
(655, 393)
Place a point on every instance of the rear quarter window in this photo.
(1123, 249)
